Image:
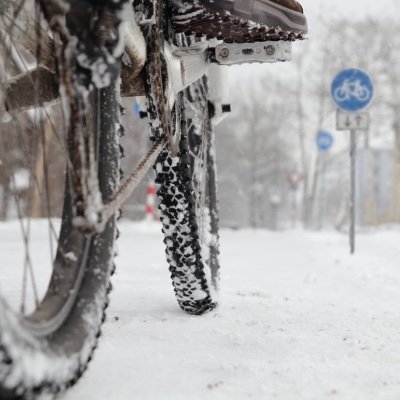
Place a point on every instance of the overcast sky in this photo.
(358, 9)
(351, 8)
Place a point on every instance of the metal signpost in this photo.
(352, 90)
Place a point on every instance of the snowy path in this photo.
(300, 319)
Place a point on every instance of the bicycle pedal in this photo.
(261, 52)
(203, 23)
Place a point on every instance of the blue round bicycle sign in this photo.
(352, 90)
(324, 141)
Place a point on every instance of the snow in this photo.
(357, 9)
(13, 254)
(20, 180)
(300, 319)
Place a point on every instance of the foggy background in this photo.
(277, 111)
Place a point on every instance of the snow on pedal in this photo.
(224, 26)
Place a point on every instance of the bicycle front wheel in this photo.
(188, 203)
(52, 303)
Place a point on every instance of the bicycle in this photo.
(71, 61)
(352, 89)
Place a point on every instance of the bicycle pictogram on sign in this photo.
(352, 90)
(324, 141)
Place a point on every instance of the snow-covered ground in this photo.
(300, 319)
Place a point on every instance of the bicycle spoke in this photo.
(44, 301)
(36, 158)
(25, 231)
(16, 14)
(14, 54)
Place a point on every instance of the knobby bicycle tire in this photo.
(188, 204)
(48, 350)
(63, 353)
(186, 180)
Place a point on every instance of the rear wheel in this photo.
(53, 303)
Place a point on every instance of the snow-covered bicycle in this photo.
(64, 64)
